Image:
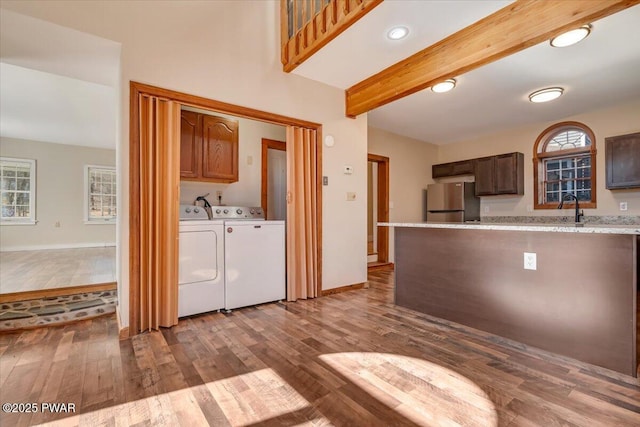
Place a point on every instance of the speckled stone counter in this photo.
(561, 228)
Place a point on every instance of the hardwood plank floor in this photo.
(351, 358)
(24, 271)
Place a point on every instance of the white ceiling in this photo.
(57, 84)
(598, 72)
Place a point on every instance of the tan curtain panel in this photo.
(159, 200)
(302, 220)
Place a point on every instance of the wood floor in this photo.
(25, 271)
(347, 359)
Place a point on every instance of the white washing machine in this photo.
(254, 256)
(201, 262)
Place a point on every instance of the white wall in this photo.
(619, 120)
(246, 191)
(410, 163)
(228, 51)
(59, 197)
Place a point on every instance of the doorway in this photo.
(158, 105)
(274, 179)
(377, 210)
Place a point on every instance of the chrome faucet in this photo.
(572, 196)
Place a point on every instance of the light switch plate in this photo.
(351, 196)
(623, 206)
(530, 261)
(348, 170)
(325, 180)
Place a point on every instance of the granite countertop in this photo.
(562, 228)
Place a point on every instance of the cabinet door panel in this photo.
(220, 149)
(506, 174)
(623, 161)
(190, 144)
(485, 182)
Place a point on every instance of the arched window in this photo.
(564, 162)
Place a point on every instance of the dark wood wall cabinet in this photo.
(622, 155)
(208, 148)
(501, 174)
(495, 175)
(464, 167)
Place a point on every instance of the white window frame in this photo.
(31, 219)
(87, 218)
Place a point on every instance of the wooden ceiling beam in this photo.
(511, 29)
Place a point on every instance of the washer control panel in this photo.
(237, 212)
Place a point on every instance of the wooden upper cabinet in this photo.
(208, 148)
(501, 174)
(220, 149)
(623, 161)
(190, 142)
(485, 176)
(464, 167)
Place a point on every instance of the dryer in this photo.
(201, 262)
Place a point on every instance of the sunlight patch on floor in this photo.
(423, 392)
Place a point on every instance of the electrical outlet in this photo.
(486, 209)
(623, 206)
(249, 160)
(57, 224)
(351, 196)
(530, 262)
(348, 170)
(325, 180)
(529, 208)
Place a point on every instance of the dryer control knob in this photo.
(239, 211)
(218, 211)
(187, 210)
(196, 210)
(226, 211)
(253, 211)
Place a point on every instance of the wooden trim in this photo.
(383, 205)
(47, 293)
(123, 332)
(518, 26)
(318, 29)
(381, 267)
(343, 289)
(134, 173)
(538, 155)
(264, 170)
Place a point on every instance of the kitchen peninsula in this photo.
(565, 289)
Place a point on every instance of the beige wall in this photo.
(228, 51)
(247, 191)
(59, 197)
(410, 163)
(619, 120)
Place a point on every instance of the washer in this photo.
(201, 262)
(254, 254)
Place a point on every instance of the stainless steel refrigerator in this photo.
(452, 202)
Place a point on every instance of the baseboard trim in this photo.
(45, 293)
(353, 287)
(56, 246)
(123, 332)
(381, 266)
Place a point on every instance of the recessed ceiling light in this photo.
(545, 95)
(397, 33)
(571, 37)
(444, 86)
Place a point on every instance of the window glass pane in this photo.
(568, 139)
(553, 165)
(22, 211)
(8, 198)
(9, 171)
(553, 176)
(553, 197)
(8, 184)
(24, 184)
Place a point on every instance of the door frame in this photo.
(383, 205)
(264, 181)
(135, 90)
